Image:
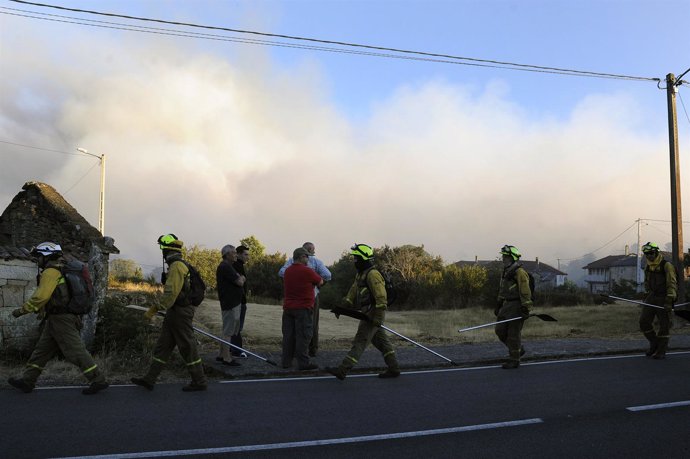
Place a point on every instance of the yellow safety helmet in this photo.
(170, 242)
(363, 251)
(650, 247)
(511, 251)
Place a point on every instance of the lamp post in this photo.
(101, 209)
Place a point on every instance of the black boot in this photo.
(142, 382)
(95, 387)
(661, 347)
(389, 374)
(511, 364)
(338, 372)
(21, 385)
(194, 387)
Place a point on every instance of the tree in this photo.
(262, 276)
(122, 269)
(464, 283)
(205, 261)
(256, 248)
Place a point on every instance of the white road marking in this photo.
(658, 406)
(446, 370)
(304, 444)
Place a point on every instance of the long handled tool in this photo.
(214, 337)
(641, 303)
(676, 307)
(361, 316)
(544, 317)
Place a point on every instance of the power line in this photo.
(40, 148)
(433, 57)
(684, 109)
(80, 179)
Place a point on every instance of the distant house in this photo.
(38, 214)
(603, 273)
(545, 276)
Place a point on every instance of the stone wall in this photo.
(17, 284)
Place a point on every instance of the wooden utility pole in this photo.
(676, 212)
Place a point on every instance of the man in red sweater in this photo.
(298, 285)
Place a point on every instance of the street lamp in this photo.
(101, 209)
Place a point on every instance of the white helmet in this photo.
(47, 249)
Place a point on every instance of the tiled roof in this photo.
(14, 253)
(530, 266)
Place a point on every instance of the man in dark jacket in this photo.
(230, 293)
(239, 265)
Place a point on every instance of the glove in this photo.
(337, 314)
(18, 313)
(524, 312)
(499, 305)
(668, 304)
(151, 312)
(379, 315)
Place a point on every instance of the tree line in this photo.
(421, 280)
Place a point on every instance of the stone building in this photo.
(38, 214)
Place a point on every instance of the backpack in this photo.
(197, 286)
(391, 293)
(80, 287)
(532, 284)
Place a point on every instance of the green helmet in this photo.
(170, 242)
(650, 247)
(511, 251)
(363, 251)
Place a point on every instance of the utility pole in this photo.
(639, 257)
(101, 208)
(676, 213)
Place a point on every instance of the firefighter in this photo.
(514, 300)
(177, 326)
(368, 294)
(661, 287)
(60, 328)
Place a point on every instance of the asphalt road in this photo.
(606, 407)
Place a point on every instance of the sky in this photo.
(215, 139)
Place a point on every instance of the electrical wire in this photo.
(432, 57)
(603, 246)
(80, 179)
(40, 148)
(684, 109)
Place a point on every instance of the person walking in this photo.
(298, 286)
(661, 288)
(239, 265)
(368, 294)
(320, 268)
(514, 300)
(230, 293)
(60, 326)
(177, 330)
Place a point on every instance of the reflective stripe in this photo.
(33, 365)
(196, 362)
(90, 369)
(159, 360)
(648, 331)
(351, 358)
(388, 353)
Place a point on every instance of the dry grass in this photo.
(262, 333)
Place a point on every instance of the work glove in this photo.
(668, 304)
(524, 312)
(499, 305)
(151, 312)
(337, 315)
(379, 315)
(18, 313)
